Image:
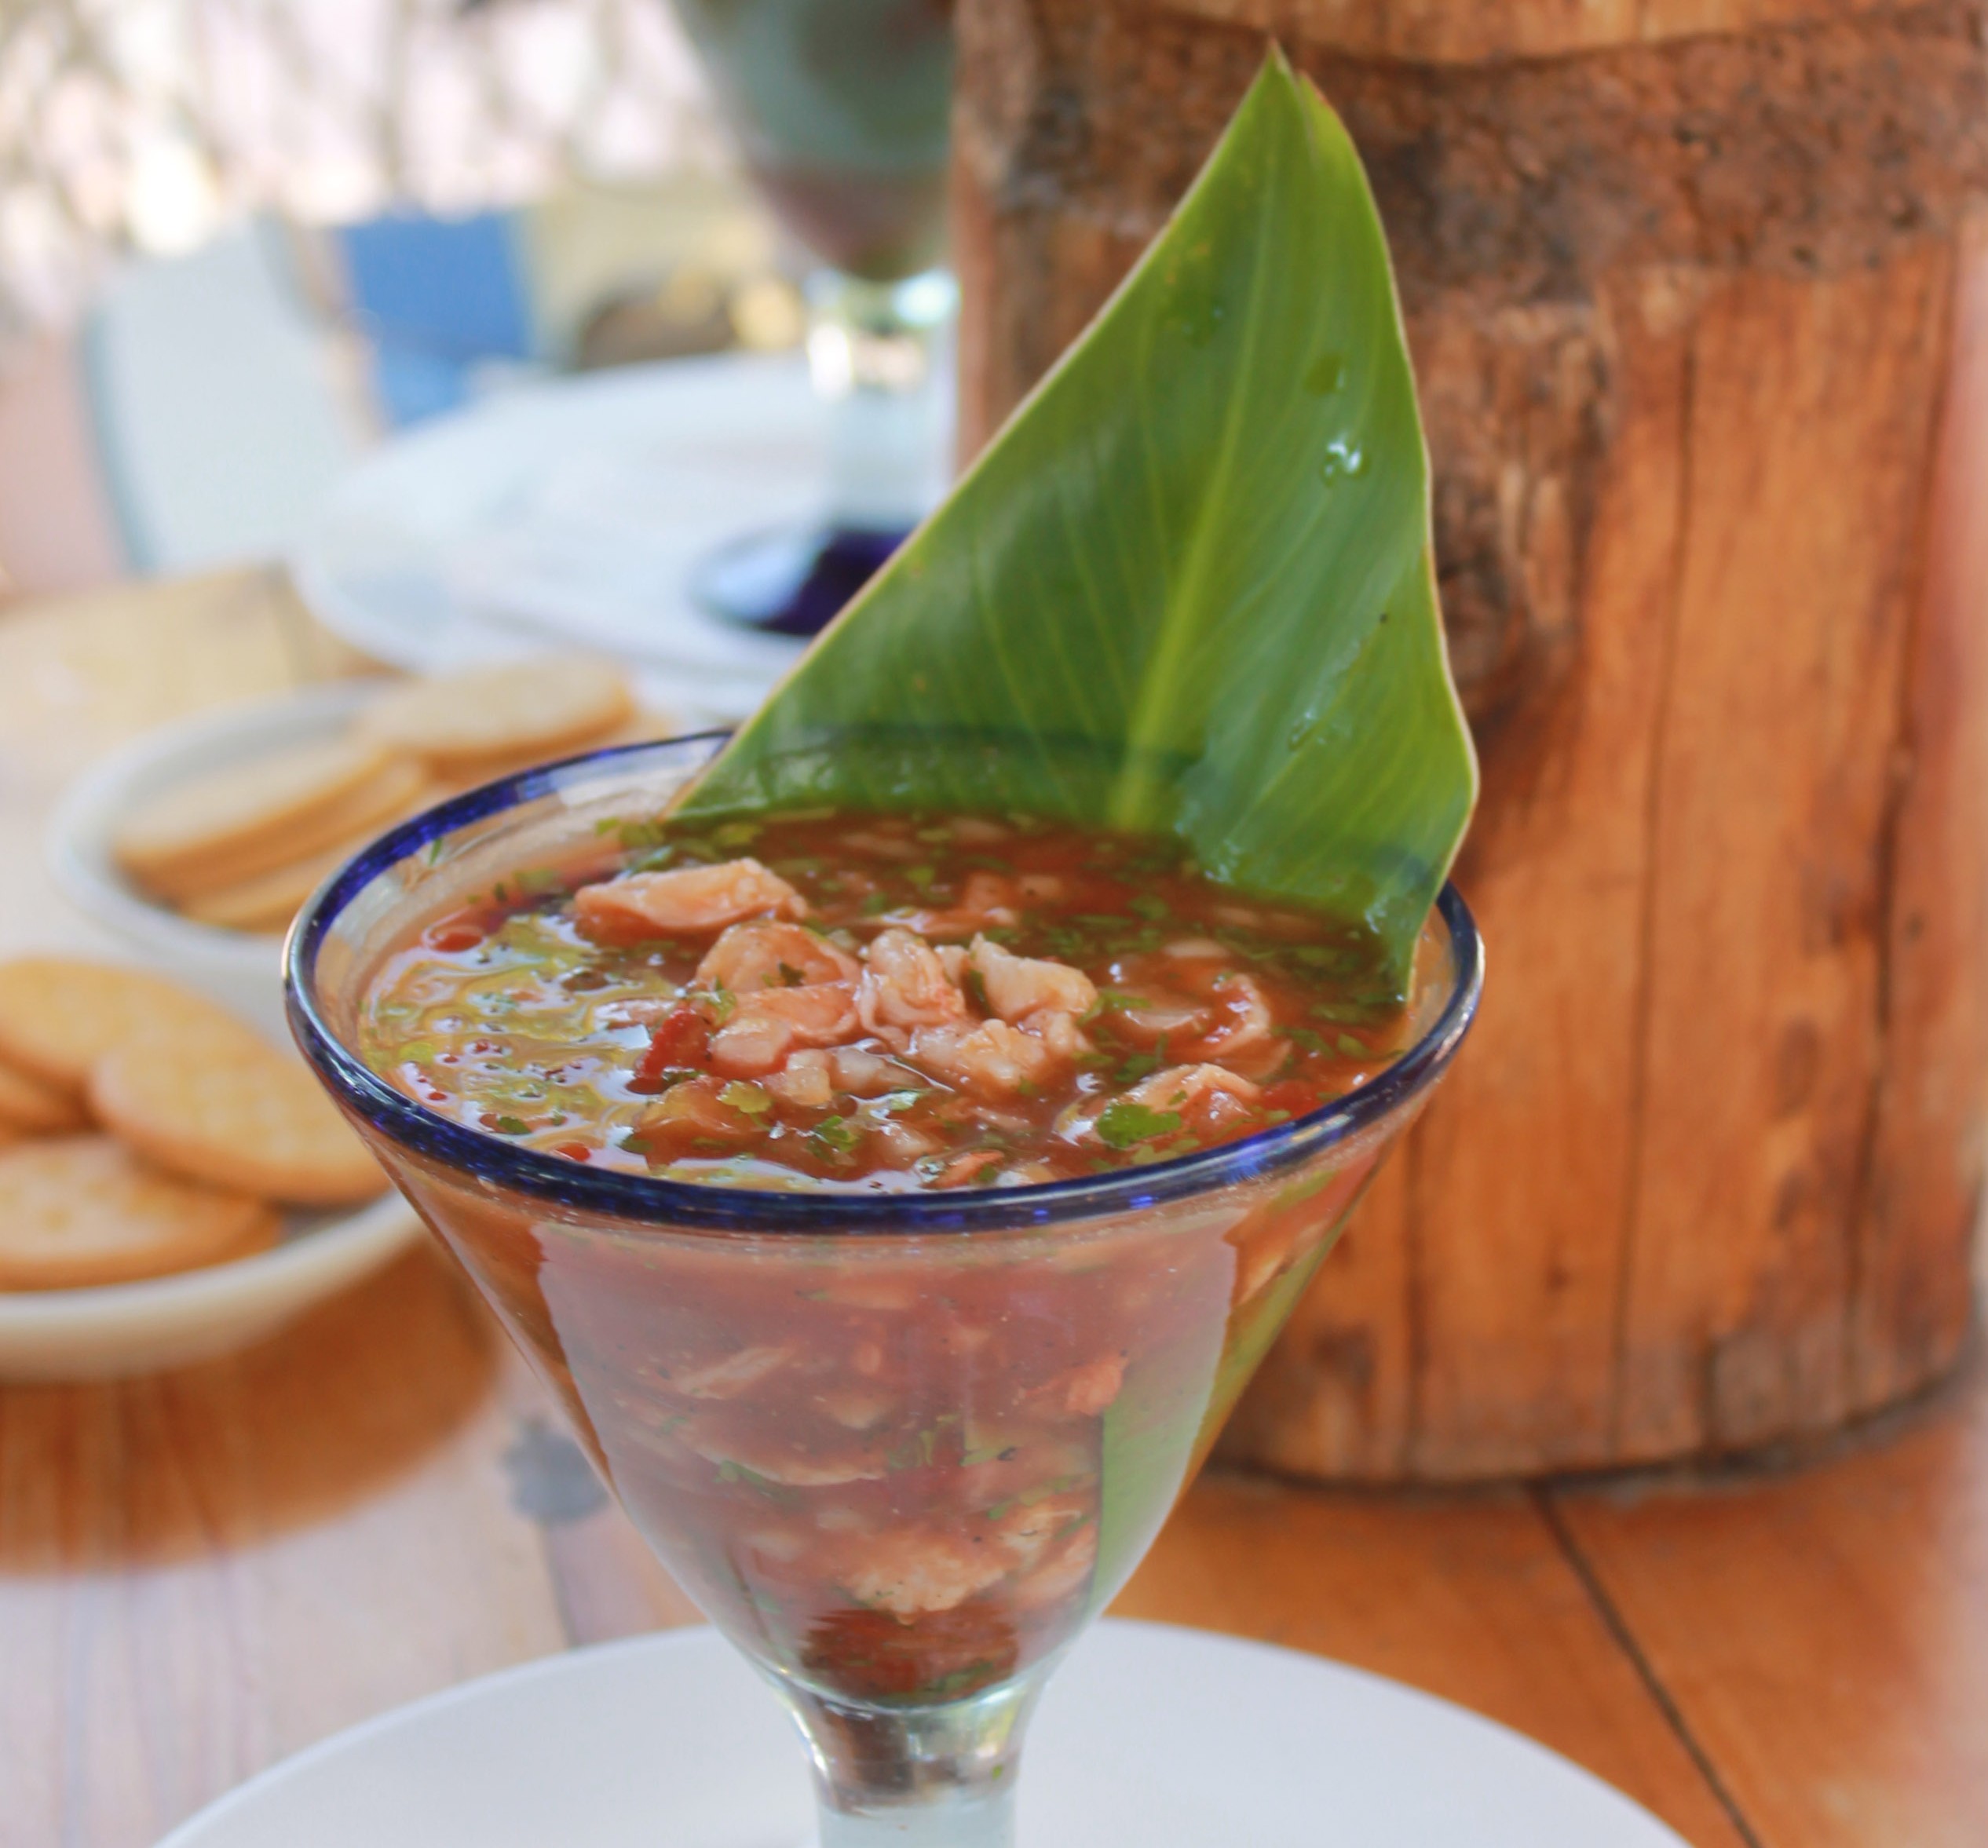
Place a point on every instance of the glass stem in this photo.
(879, 354)
(921, 1777)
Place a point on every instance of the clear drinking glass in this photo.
(842, 109)
(899, 1448)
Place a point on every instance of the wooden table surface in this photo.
(203, 1571)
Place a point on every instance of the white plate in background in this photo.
(572, 512)
(1149, 1737)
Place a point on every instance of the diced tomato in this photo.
(456, 935)
(1292, 1096)
(949, 1653)
(680, 1041)
(574, 1151)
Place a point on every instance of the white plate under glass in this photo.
(1149, 1736)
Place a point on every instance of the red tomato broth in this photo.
(900, 1468)
(517, 1018)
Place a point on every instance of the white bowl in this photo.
(241, 970)
(138, 1328)
(125, 1328)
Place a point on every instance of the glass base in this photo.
(789, 580)
(914, 1777)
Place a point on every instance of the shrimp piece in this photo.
(1145, 1019)
(912, 1571)
(1028, 1532)
(869, 1074)
(1197, 949)
(1210, 1094)
(1018, 986)
(769, 1023)
(1059, 1032)
(789, 1468)
(993, 1059)
(693, 898)
(735, 1374)
(1249, 1021)
(762, 954)
(986, 901)
(807, 1080)
(1065, 1575)
(905, 985)
(1085, 1391)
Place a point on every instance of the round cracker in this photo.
(269, 901)
(523, 712)
(30, 1106)
(230, 811)
(358, 815)
(237, 1113)
(78, 1211)
(59, 1015)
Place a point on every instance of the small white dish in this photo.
(1149, 1737)
(120, 1329)
(241, 970)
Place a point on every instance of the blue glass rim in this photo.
(700, 1205)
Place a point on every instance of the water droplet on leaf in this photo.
(1343, 458)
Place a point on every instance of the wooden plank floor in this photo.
(202, 1571)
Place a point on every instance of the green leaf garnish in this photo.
(1123, 1124)
(1189, 589)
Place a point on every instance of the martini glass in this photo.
(900, 1449)
(842, 108)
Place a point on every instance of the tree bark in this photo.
(1697, 295)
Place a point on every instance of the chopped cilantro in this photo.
(508, 1126)
(875, 903)
(1111, 1001)
(921, 876)
(1353, 1048)
(1147, 905)
(975, 984)
(1124, 1123)
(1139, 1064)
(835, 1138)
(896, 1103)
(736, 833)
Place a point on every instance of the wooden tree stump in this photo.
(1697, 292)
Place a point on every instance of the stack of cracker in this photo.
(144, 1130)
(243, 847)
